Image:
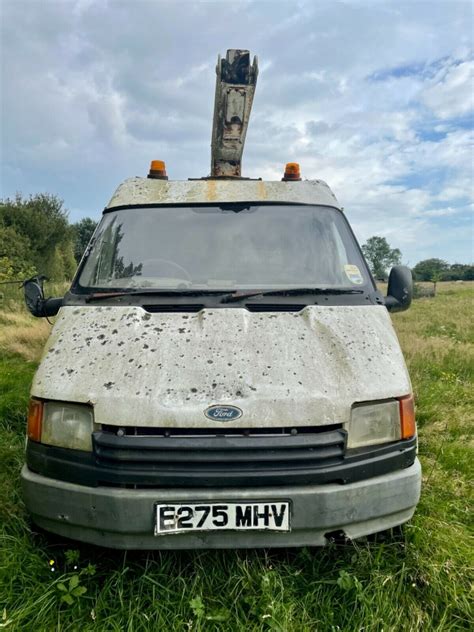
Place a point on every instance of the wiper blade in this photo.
(227, 298)
(239, 296)
(98, 296)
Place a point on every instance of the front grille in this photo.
(162, 431)
(218, 458)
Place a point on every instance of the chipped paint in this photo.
(166, 369)
(136, 191)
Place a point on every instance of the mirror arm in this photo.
(50, 306)
(392, 304)
(46, 307)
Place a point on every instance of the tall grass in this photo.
(414, 579)
(20, 333)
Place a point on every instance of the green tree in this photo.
(42, 221)
(458, 272)
(83, 231)
(380, 256)
(430, 270)
(468, 273)
(15, 255)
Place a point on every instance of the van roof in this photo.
(146, 191)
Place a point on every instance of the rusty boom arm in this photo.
(235, 87)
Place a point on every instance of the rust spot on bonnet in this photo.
(211, 193)
(262, 191)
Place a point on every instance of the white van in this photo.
(223, 373)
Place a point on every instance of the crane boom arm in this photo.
(235, 88)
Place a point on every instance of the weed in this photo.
(72, 591)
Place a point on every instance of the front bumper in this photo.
(123, 518)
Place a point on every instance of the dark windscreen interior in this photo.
(266, 246)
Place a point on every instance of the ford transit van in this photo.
(223, 371)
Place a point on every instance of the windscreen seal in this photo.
(171, 205)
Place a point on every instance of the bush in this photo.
(35, 235)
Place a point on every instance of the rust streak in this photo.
(211, 193)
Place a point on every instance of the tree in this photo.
(15, 255)
(430, 270)
(380, 256)
(468, 273)
(458, 272)
(42, 221)
(83, 231)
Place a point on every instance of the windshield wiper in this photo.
(98, 296)
(239, 296)
(227, 298)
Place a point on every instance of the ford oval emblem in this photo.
(223, 413)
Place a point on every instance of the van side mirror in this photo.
(34, 298)
(400, 289)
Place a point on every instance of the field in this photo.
(417, 578)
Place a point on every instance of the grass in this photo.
(417, 578)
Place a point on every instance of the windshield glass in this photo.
(214, 247)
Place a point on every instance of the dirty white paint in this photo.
(165, 369)
(149, 191)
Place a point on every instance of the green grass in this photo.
(417, 578)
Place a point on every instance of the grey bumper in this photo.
(123, 518)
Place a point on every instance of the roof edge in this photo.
(137, 191)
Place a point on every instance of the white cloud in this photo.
(451, 91)
(363, 95)
(441, 212)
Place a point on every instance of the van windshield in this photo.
(224, 247)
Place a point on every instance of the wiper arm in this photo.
(98, 296)
(227, 298)
(239, 296)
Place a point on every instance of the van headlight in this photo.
(61, 424)
(374, 423)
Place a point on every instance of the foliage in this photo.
(72, 591)
(430, 270)
(11, 270)
(439, 270)
(14, 254)
(83, 231)
(380, 256)
(458, 272)
(411, 580)
(39, 227)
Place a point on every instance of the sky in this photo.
(374, 97)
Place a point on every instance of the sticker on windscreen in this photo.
(353, 274)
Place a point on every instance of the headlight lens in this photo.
(67, 425)
(374, 423)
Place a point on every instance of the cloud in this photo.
(375, 98)
(450, 93)
(441, 212)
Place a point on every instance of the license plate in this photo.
(178, 518)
